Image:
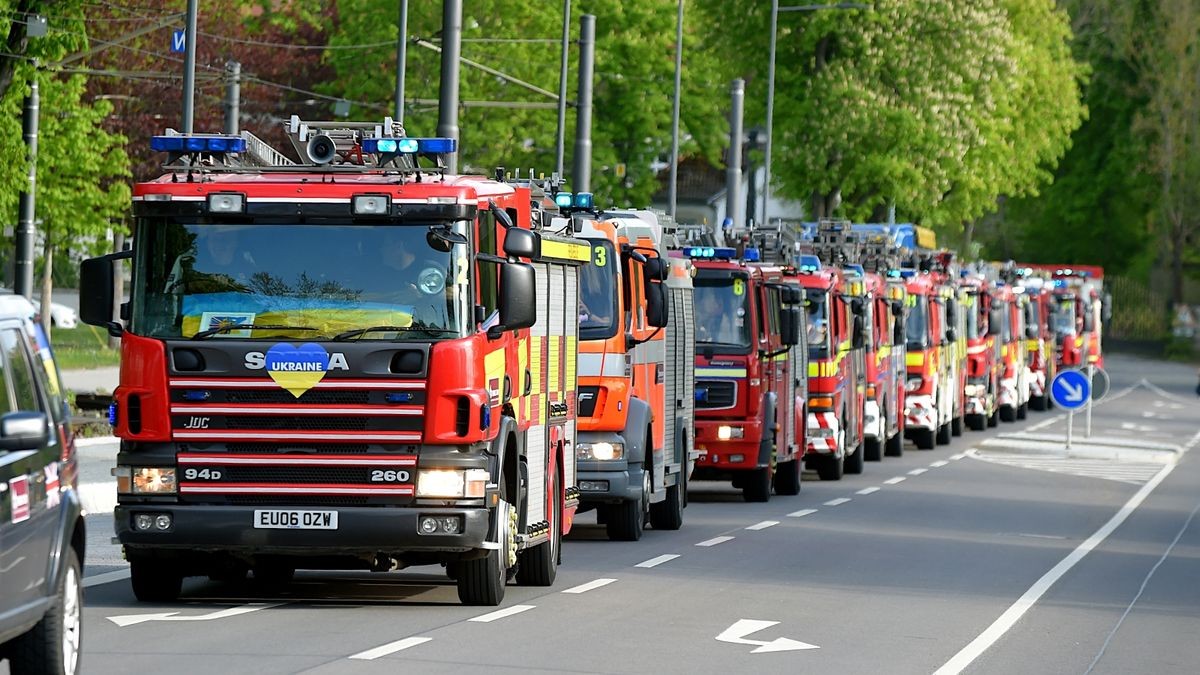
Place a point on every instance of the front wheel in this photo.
(757, 485)
(923, 438)
(481, 581)
(626, 521)
(1008, 413)
(52, 645)
(943, 434)
(872, 449)
(787, 478)
(1022, 411)
(853, 462)
(956, 426)
(830, 467)
(895, 445)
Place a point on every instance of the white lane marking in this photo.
(837, 502)
(714, 541)
(655, 562)
(763, 525)
(501, 613)
(1142, 589)
(893, 481)
(1045, 423)
(1124, 472)
(917, 472)
(737, 633)
(867, 491)
(593, 585)
(390, 648)
(967, 655)
(1159, 404)
(939, 463)
(958, 456)
(105, 578)
(801, 513)
(132, 619)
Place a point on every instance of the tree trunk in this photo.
(47, 280)
(1177, 245)
(968, 235)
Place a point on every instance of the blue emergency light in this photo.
(857, 269)
(709, 252)
(810, 263)
(907, 273)
(198, 143)
(564, 200)
(751, 255)
(409, 146)
(893, 274)
(583, 200)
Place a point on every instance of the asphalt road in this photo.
(996, 554)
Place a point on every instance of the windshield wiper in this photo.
(245, 326)
(379, 329)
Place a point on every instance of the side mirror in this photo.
(657, 313)
(790, 295)
(859, 336)
(995, 317)
(1031, 332)
(857, 307)
(1089, 321)
(656, 268)
(24, 431)
(951, 335)
(96, 291)
(520, 243)
(518, 298)
(898, 309)
(789, 326)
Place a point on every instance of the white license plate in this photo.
(294, 519)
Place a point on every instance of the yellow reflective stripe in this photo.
(914, 359)
(561, 250)
(884, 351)
(720, 372)
(822, 368)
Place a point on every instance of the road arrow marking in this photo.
(133, 619)
(737, 633)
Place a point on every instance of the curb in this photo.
(1159, 454)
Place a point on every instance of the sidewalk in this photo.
(91, 380)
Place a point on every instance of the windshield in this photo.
(305, 281)
(916, 324)
(722, 311)
(598, 293)
(818, 323)
(1064, 315)
(973, 308)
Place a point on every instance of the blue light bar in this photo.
(709, 252)
(893, 274)
(858, 269)
(810, 263)
(564, 200)
(751, 255)
(409, 146)
(583, 200)
(907, 273)
(198, 144)
(437, 146)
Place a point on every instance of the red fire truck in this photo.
(881, 414)
(354, 361)
(932, 375)
(1080, 308)
(750, 391)
(1013, 398)
(983, 352)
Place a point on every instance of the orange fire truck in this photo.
(354, 361)
(750, 360)
(636, 378)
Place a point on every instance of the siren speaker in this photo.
(321, 149)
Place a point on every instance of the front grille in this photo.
(285, 500)
(297, 422)
(316, 448)
(358, 475)
(309, 397)
(716, 393)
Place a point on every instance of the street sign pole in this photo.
(1070, 418)
(1088, 425)
(1071, 390)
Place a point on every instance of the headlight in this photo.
(974, 390)
(913, 384)
(153, 480)
(601, 452)
(725, 433)
(440, 483)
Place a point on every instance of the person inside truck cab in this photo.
(414, 277)
(718, 318)
(216, 263)
(595, 298)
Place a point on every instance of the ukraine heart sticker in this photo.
(297, 369)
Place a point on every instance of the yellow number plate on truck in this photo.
(292, 519)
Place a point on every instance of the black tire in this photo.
(976, 422)
(53, 645)
(1038, 403)
(482, 581)
(539, 565)
(1022, 411)
(787, 478)
(993, 419)
(956, 426)
(757, 485)
(923, 438)
(626, 521)
(152, 583)
(853, 463)
(872, 449)
(943, 434)
(668, 514)
(452, 571)
(895, 445)
(1008, 413)
(830, 467)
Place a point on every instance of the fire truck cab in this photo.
(930, 389)
(356, 361)
(636, 369)
(983, 325)
(750, 360)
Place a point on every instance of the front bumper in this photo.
(873, 423)
(1008, 393)
(824, 435)
(1037, 382)
(732, 453)
(360, 530)
(920, 412)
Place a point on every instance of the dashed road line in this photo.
(598, 583)
(893, 481)
(502, 613)
(958, 456)
(390, 648)
(867, 491)
(837, 502)
(917, 472)
(763, 525)
(939, 463)
(714, 541)
(655, 562)
(801, 513)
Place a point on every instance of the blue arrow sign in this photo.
(178, 41)
(1071, 389)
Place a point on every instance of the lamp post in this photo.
(775, 10)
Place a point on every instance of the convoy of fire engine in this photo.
(362, 361)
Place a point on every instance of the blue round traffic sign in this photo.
(1071, 389)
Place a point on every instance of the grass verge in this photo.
(82, 347)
